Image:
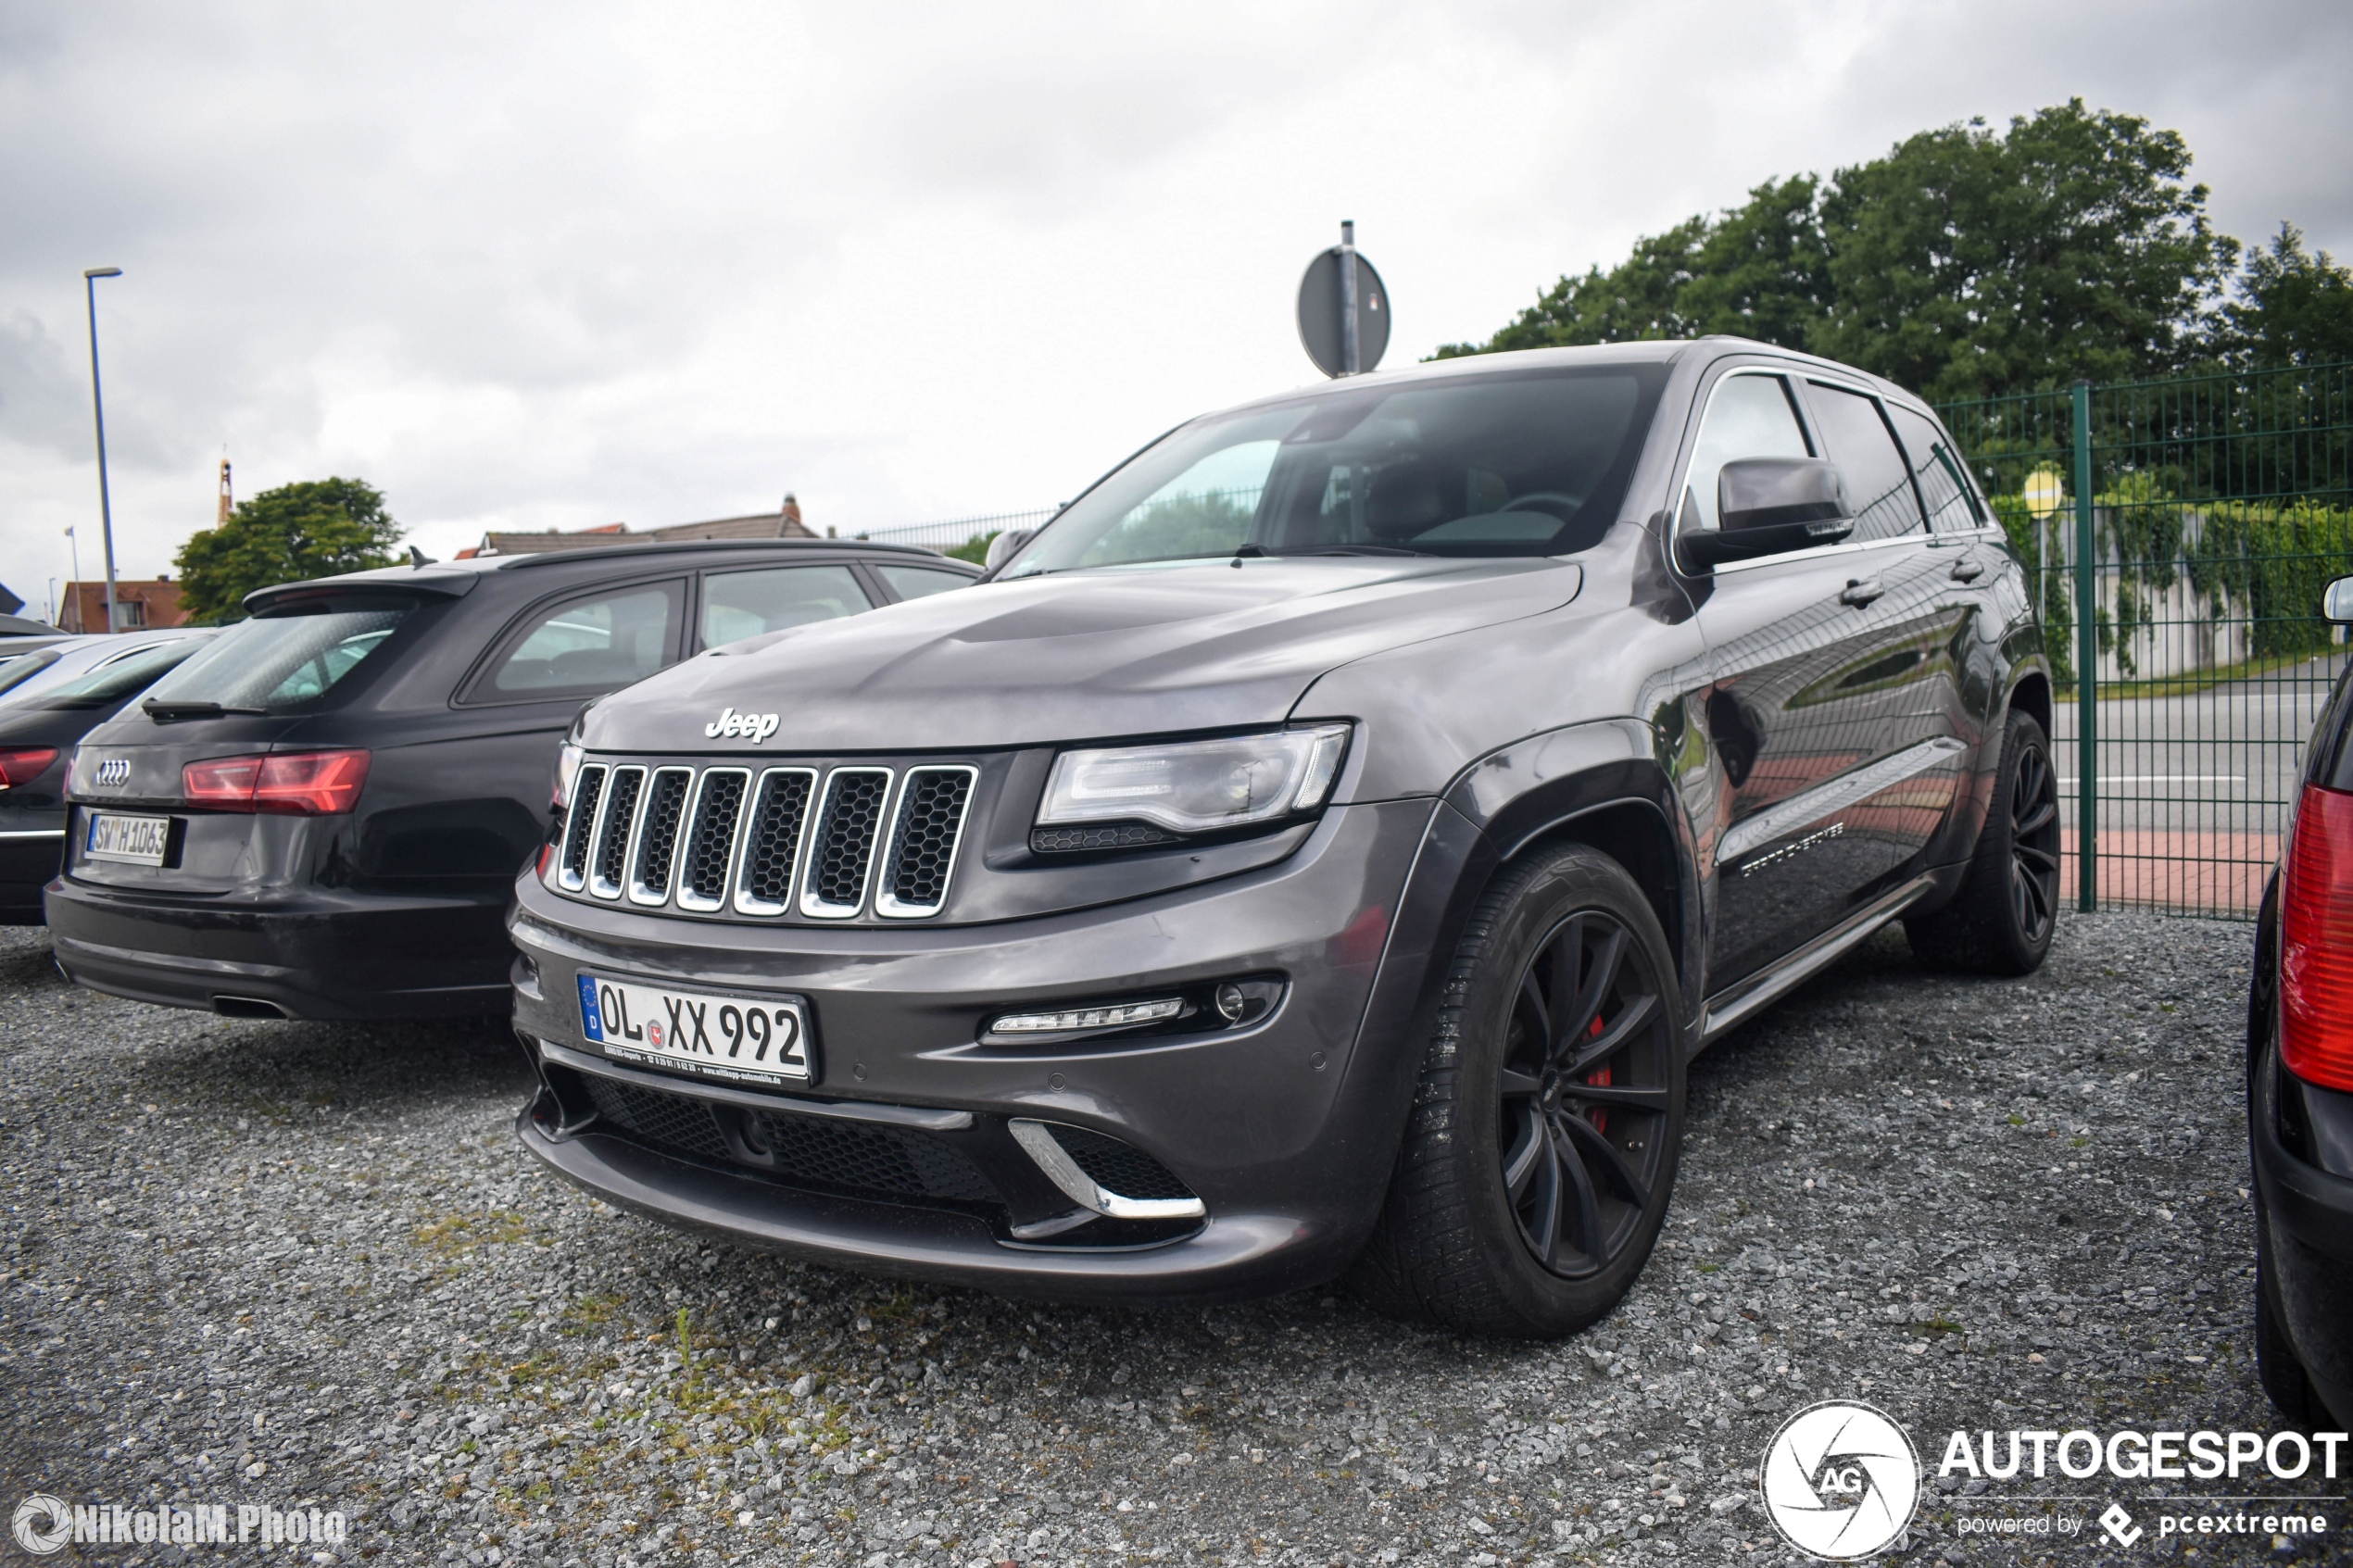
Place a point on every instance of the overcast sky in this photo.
(536, 266)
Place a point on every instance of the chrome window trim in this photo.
(885, 904)
(639, 894)
(567, 880)
(812, 905)
(679, 894)
(597, 886)
(742, 900)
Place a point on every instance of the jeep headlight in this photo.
(1197, 786)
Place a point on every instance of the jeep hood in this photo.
(1074, 655)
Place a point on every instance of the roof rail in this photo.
(668, 547)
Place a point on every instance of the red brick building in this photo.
(139, 603)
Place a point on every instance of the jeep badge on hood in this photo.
(757, 726)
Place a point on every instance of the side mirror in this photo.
(1768, 507)
(1001, 548)
(2336, 601)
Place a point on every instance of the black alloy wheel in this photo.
(2035, 845)
(1540, 1151)
(2002, 917)
(1583, 1094)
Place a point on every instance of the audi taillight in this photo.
(301, 783)
(2316, 941)
(22, 765)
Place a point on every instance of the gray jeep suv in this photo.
(1319, 850)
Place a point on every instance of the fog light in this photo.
(1231, 1003)
(1126, 1015)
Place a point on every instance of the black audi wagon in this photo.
(321, 814)
(1321, 846)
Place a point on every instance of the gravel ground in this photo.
(308, 1264)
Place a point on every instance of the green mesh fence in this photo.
(2180, 533)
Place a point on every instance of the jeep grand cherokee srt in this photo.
(1322, 846)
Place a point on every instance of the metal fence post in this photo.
(2087, 666)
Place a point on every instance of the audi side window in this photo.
(737, 604)
(595, 643)
(1945, 488)
(917, 581)
(1879, 481)
(1749, 416)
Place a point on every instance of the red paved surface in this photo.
(2179, 870)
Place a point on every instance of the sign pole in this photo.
(1351, 352)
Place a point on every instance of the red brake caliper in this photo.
(1599, 1078)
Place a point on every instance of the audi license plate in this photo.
(115, 836)
(751, 1039)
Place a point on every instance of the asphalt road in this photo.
(296, 1265)
(2223, 760)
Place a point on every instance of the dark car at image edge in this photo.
(2301, 1082)
(321, 814)
(1319, 850)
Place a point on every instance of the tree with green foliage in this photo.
(315, 528)
(2293, 308)
(1967, 262)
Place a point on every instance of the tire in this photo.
(2276, 1362)
(2001, 921)
(1558, 1050)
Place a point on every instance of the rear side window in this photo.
(1951, 505)
(278, 661)
(737, 604)
(1879, 482)
(916, 582)
(23, 667)
(597, 642)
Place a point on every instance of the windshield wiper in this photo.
(164, 712)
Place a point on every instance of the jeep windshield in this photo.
(1521, 463)
(275, 662)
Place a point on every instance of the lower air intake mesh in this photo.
(855, 1159)
(670, 1121)
(1117, 1166)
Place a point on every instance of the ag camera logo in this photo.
(42, 1523)
(1841, 1480)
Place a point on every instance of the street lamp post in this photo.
(98, 412)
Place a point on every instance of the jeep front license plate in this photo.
(114, 836)
(751, 1039)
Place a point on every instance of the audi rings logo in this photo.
(1841, 1480)
(113, 770)
(42, 1523)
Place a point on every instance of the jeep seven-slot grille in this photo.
(813, 843)
(612, 838)
(922, 845)
(711, 839)
(658, 840)
(571, 872)
(845, 847)
(773, 847)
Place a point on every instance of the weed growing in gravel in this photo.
(454, 1235)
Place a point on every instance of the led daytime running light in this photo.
(1125, 1015)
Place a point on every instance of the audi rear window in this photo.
(125, 677)
(281, 661)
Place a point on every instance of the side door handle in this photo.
(1967, 571)
(1860, 591)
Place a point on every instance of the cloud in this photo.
(546, 265)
